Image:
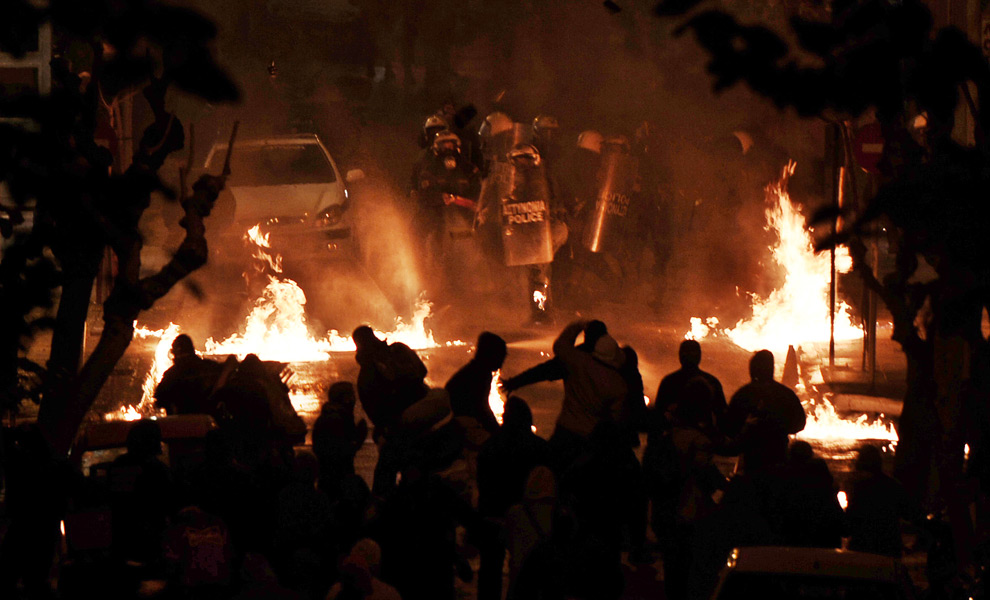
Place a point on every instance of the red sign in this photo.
(868, 147)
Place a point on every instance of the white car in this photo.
(771, 573)
(291, 186)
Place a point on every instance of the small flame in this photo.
(843, 500)
(540, 299)
(701, 329)
(496, 397)
(260, 240)
(124, 413)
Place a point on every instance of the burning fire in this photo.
(496, 396)
(824, 424)
(540, 299)
(277, 329)
(263, 246)
(798, 313)
(699, 329)
(161, 362)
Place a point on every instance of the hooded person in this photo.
(391, 378)
(595, 389)
(470, 386)
(761, 415)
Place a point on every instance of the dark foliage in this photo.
(70, 197)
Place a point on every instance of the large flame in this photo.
(159, 364)
(798, 311)
(277, 329)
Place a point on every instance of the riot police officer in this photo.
(530, 233)
(443, 182)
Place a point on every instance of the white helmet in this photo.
(495, 123)
(590, 140)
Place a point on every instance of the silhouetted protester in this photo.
(534, 571)
(359, 572)
(417, 523)
(336, 436)
(688, 499)
(391, 380)
(302, 522)
(223, 487)
(808, 509)
(761, 415)
(877, 504)
(596, 488)
(689, 354)
(187, 385)
(595, 390)
(504, 464)
(469, 387)
(553, 369)
(634, 411)
(141, 494)
(38, 487)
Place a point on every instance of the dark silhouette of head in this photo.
(761, 366)
(490, 351)
(869, 460)
(182, 345)
(594, 331)
(365, 339)
(517, 416)
(800, 452)
(689, 353)
(144, 438)
(341, 394)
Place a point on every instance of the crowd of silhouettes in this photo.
(261, 515)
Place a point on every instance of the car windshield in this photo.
(283, 164)
(744, 586)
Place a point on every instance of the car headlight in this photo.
(330, 217)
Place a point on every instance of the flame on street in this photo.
(159, 364)
(277, 329)
(797, 313)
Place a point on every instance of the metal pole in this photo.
(837, 183)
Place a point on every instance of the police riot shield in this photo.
(526, 230)
(611, 219)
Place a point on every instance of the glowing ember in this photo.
(843, 500)
(496, 397)
(798, 311)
